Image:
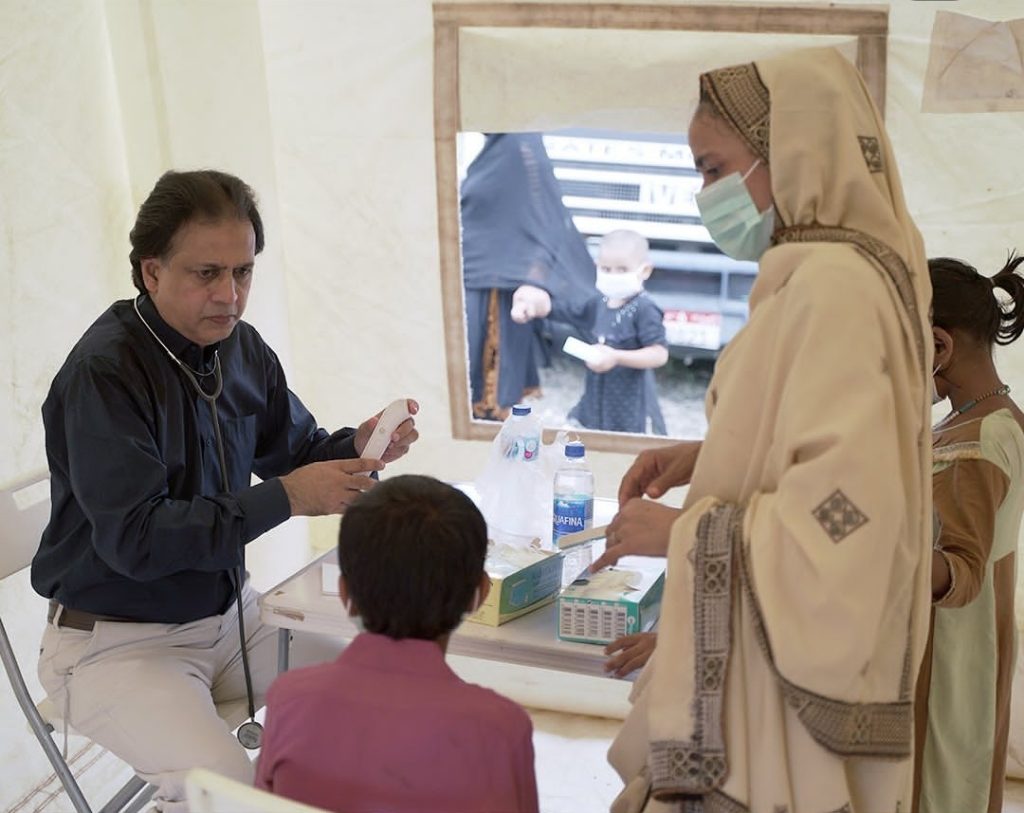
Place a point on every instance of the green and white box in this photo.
(616, 601)
(522, 579)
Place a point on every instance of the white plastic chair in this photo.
(209, 792)
(24, 512)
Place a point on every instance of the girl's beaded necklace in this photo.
(1003, 390)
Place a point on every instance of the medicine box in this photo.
(521, 581)
(614, 602)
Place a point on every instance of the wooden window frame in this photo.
(868, 24)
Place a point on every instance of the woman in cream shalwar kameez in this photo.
(796, 607)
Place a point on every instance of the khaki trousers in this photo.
(148, 692)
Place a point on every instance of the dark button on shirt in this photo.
(140, 525)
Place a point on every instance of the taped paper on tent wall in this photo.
(974, 65)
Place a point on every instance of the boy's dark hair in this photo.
(412, 551)
(964, 299)
(182, 197)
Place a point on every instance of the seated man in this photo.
(388, 725)
(163, 411)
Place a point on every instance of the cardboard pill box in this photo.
(520, 583)
(615, 602)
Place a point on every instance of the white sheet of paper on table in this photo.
(581, 350)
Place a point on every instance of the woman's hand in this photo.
(529, 302)
(633, 653)
(641, 528)
(655, 471)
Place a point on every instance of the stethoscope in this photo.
(250, 734)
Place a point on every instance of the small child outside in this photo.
(626, 338)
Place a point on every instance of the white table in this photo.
(299, 604)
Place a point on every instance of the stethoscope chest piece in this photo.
(250, 734)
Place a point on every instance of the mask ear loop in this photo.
(747, 175)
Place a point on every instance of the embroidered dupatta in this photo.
(796, 606)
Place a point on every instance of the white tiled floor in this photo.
(573, 774)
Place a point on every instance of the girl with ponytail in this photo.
(963, 691)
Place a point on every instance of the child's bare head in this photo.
(624, 251)
(412, 553)
(623, 266)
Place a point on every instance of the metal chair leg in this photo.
(141, 800)
(38, 726)
(131, 790)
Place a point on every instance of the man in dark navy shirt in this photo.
(155, 424)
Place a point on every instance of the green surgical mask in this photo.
(731, 217)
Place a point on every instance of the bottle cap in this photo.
(521, 409)
(574, 449)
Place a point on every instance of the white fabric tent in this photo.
(326, 109)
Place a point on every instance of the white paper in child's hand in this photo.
(581, 350)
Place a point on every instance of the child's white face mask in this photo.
(620, 286)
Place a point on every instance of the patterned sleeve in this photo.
(580, 312)
(967, 495)
(650, 325)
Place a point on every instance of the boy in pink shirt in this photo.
(388, 727)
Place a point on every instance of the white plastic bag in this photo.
(516, 494)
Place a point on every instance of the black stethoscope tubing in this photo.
(250, 734)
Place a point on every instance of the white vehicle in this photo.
(647, 182)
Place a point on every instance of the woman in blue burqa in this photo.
(515, 231)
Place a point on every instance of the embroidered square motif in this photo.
(838, 516)
(872, 153)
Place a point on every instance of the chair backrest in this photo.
(24, 512)
(209, 792)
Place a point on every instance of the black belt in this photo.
(76, 619)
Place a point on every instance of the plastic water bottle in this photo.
(573, 508)
(516, 510)
(521, 434)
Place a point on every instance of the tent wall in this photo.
(326, 109)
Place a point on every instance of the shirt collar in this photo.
(184, 349)
(408, 655)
